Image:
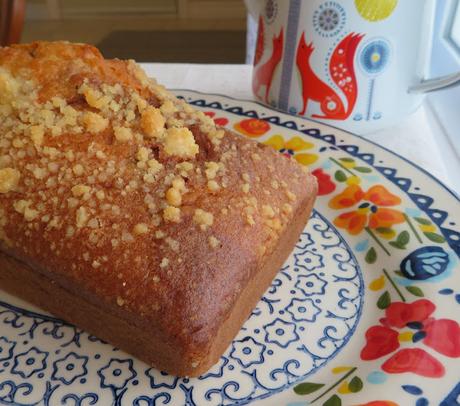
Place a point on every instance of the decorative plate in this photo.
(364, 312)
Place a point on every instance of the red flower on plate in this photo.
(380, 341)
(441, 335)
(325, 184)
(415, 360)
(398, 314)
(252, 127)
(379, 403)
(220, 121)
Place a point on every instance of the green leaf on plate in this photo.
(355, 385)
(399, 273)
(403, 237)
(362, 169)
(306, 388)
(340, 176)
(384, 300)
(371, 256)
(415, 290)
(423, 221)
(401, 240)
(435, 237)
(397, 244)
(346, 159)
(334, 400)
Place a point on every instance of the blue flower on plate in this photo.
(30, 362)
(305, 241)
(280, 332)
(308, 260)
(6, 348)
(117, 373)
(217, 371)
(303, 310)
(425, 263)
(69, 368)
(160, 379)
(311, 285)
(247, 352)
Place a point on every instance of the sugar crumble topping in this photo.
(69, 161)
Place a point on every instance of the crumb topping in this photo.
(213, 242)
(291, 196)
(203, 218)
(180, 142)
(122, 134)
(108, 160)
(152, 122)
(9, 179)
(141, 228)
(171, 214)
(94, 123)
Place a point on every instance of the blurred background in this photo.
(196, 31)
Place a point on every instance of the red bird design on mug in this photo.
(342, 73)
(263, 74)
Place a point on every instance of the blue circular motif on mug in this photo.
(375, 56)
(329, 19)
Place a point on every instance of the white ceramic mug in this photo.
(360, 65)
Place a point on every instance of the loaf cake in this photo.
(128, 213)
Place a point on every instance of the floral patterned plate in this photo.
(364, 312)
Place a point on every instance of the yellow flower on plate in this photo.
(293, 147)
(375, 10)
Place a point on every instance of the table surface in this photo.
(419, 138)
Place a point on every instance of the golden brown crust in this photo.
(144, 341)
(129, 198)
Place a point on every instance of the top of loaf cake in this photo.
(110, 182)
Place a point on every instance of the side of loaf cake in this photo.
(127, 212)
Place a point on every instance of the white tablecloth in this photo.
(415, 138)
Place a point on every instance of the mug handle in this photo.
(430, 85)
